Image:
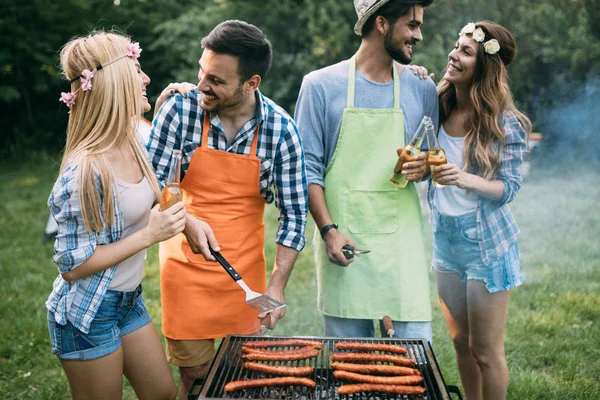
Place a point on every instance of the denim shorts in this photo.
(456, 249)
(120, 313)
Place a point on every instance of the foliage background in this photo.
(555, 78)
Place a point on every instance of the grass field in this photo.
(553, 332)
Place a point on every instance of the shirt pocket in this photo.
(373, 211)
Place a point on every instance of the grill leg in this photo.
(196, 388)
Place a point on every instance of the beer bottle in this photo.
(435, 155)
(409, 151)
(172, 192)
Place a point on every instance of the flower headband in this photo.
(491, 46)
(133, 51)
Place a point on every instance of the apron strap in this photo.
(206, 128)
(352, 78)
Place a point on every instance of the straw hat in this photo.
(364, 9)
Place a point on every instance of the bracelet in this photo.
(326, 229)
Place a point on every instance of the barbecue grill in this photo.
(228, 366)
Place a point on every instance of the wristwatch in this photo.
(326, 229)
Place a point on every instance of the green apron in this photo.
(393, 279)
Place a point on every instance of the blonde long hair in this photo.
(101, 119)
(490, 97)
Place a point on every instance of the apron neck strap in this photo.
(206, 129)
(352, 79)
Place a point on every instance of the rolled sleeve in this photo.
(515, 146)
(73, 244)
(166, 129)
(291, 189)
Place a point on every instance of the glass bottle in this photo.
(436, 156)
(409, 151)
(172, 192)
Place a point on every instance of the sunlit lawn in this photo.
(552, 337)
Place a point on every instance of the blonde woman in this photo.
(104, 202)
(476, 255)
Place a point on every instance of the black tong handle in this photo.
(226, 266)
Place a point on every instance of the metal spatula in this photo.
(262, 302)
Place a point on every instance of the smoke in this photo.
(571, 127)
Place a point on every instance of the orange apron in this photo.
(199, 299)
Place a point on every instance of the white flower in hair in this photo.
(491, 46)
(468, 28)
(478, 35)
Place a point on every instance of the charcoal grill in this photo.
(228, 366)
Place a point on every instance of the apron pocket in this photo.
(229, 244)
(373, 211)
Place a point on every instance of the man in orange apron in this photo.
(237, 144)
(353, 117)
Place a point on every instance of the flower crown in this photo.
(491, 46)
(133, 51)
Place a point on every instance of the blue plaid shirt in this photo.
(496, 225)
(178, 125)
(77, 301)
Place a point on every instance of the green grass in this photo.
(552, 336)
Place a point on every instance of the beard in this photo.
(396, 51)
(230, 102)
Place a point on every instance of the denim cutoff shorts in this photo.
(456, 249)
(120, 313)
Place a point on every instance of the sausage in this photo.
(285, 343)
(388, 326)
(392, 348)
(370, 387)
(375, 369)
(383, 380)
(247, 349)
(398, 360)
(278, 369)
(289, 355)
(280, 381)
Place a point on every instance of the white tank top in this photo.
(135, 201)
(453, 200)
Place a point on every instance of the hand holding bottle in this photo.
(163, 225)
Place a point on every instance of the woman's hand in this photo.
(421, 72)
(183, 88)
(450, 174)
(163, 225)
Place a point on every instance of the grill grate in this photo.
(228, 366)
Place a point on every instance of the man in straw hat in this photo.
(353, 117)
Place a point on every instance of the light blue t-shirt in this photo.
(322, 100)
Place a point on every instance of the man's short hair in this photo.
(244, 41)
(392, 11)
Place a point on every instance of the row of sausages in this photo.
(405, 375)
(287, 375)
(402, 379)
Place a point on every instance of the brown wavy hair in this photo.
(490, 98)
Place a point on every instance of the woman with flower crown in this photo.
(476, 254)
(105, 204)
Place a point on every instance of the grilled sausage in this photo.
(392, 348)
(398, 360)
(281, 381)
(285, 343)
(278, 369)
(369, 387)
(383, 380)
(375, 369)
(289, 355)
(247, 349)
